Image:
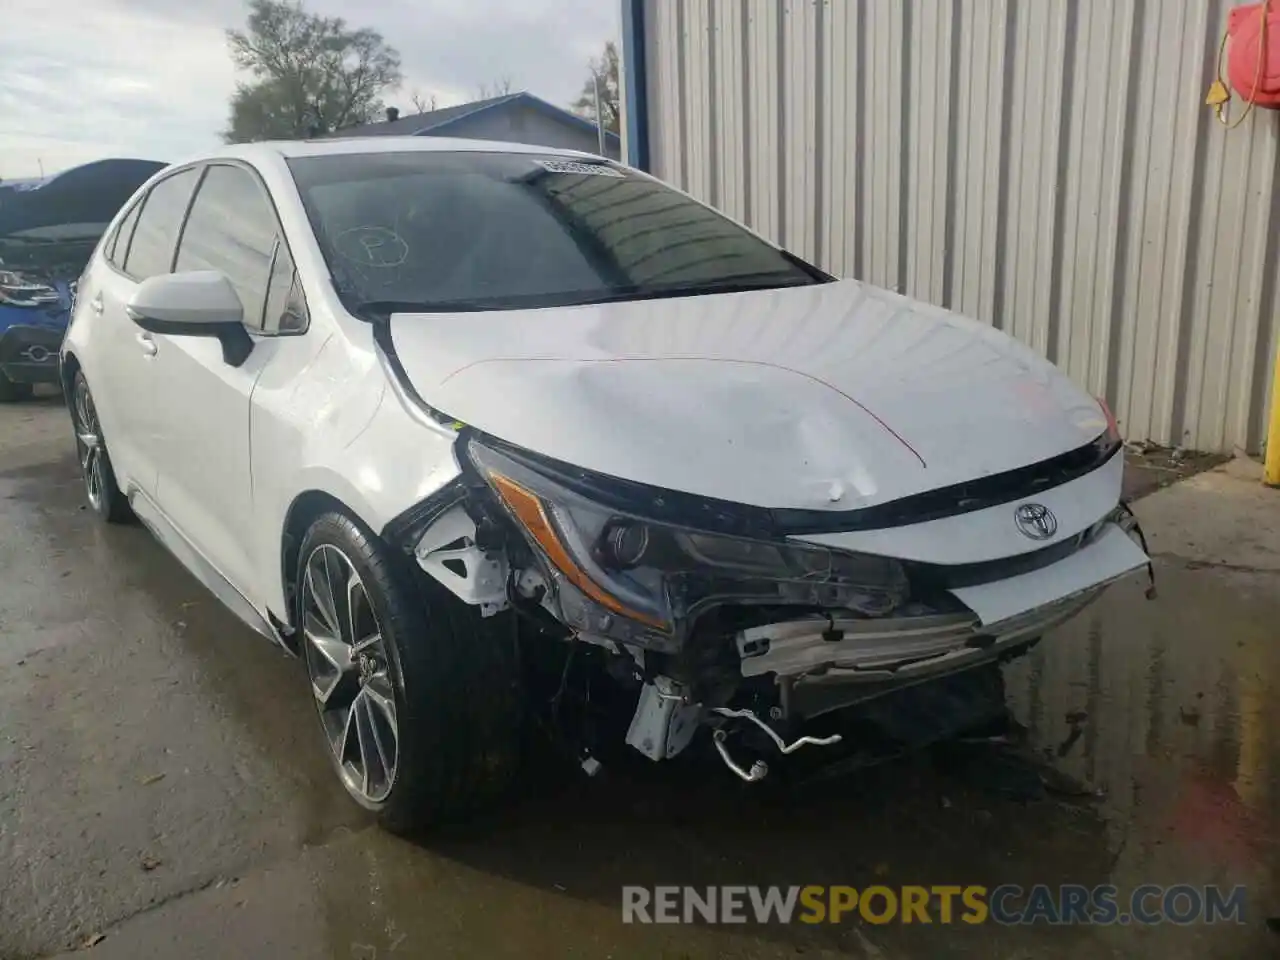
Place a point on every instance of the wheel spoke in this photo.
(337, 570)
(337, 663)
(378, 690)
(322, 595)
(82, 415)
(385, 742)
(355, 593)
(369, 756)
(380, 712)
(93, 478)
(348, 746)
(333, 650)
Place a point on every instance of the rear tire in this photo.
(101, 489)
(11, 392)
(417, 694)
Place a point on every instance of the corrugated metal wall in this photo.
(1043, 165)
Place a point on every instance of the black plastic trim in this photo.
(727, 517)
(400, 530)
(961, 498)
(926, 576)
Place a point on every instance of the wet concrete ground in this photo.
(163, 791)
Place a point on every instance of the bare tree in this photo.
(312, 74)
(423, 104)
(604, 71)
(499, 88)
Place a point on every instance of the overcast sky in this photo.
(85, 79)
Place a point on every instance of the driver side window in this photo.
(232, 229)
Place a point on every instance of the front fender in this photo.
(392, 464)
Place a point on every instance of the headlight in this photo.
(624, 576)
(19, 290)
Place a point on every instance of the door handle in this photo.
(149, 348)
(96, 304)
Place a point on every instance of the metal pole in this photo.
(599, 115)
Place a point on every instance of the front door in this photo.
(202, 402)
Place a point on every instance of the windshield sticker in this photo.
(585, 169)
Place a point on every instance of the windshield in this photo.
(454, 231)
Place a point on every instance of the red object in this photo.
(1244, 27)
(1113, 427)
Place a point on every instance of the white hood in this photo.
(834, 396)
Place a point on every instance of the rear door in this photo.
(202, 403)
(122, 378)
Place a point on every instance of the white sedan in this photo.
(427, 412)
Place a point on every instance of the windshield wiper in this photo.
(743, 284)
(381, 310)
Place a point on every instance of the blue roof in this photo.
(90, 193)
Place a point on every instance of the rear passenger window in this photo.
(151, 247)
(124, 233)
(232, 229)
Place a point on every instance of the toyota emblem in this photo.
(1035, 521)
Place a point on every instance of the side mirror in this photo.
(198, 303)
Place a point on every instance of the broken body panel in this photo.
(825, 417)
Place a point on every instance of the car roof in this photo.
(356, 145)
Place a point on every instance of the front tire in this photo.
(416, 694)
(101, 489)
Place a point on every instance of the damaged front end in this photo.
(708, 614)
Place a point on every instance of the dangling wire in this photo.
(1220, 94)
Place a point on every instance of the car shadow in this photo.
(986, 810)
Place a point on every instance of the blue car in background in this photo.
(48, 229)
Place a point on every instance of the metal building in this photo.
(1044, 165)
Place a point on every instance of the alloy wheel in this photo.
(347, 661)
(89, 445)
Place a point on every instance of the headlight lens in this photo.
(20, 290)
(626, 577)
